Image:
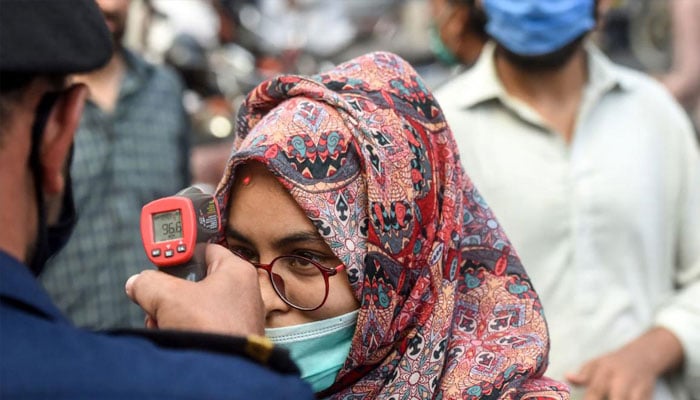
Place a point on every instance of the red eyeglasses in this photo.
(300, 282)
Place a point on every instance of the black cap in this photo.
(52, 36)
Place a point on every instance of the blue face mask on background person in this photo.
(536, 27)
(318, 348)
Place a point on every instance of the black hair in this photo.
(12, 87)
(11, 80)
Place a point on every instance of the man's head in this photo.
(40, 44)
(539, 34)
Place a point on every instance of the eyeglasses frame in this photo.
(325, 271)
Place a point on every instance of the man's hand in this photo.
(227, 301)
(630, 373)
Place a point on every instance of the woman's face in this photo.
(264, 222)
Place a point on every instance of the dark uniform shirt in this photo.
(42, 355)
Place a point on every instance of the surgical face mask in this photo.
(536, 27)
(50, 239)
(319, 348)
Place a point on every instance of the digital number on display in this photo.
(167, 226)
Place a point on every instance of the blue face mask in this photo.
(319, 348)
(537, 27)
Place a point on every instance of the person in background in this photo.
(381, 269)
(593, 171)
(458, 32)
(131, 148)
(42, 355)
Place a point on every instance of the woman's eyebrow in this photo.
(299, 237)
(232, 233)
(285, 241)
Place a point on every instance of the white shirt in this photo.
(608, 226)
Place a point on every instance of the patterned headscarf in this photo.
(446, 309)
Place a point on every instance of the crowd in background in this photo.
(224, 48)
(228, 46)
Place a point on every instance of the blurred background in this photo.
(223, 48)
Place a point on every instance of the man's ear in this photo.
(58, 136)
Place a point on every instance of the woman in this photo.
(401, 284)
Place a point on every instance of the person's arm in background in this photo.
(184, 135)
(673, 343)
(683, 80)
(682, 314)
(631, 371)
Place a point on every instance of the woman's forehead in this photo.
(258, 201)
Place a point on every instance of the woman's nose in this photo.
(273, 303)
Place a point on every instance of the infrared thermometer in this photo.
(175, 230)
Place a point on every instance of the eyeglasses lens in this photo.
(299, 282)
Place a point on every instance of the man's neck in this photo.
(105, 82)
(555, 94)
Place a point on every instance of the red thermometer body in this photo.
(175, 229)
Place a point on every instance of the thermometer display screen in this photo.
(167, 226)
